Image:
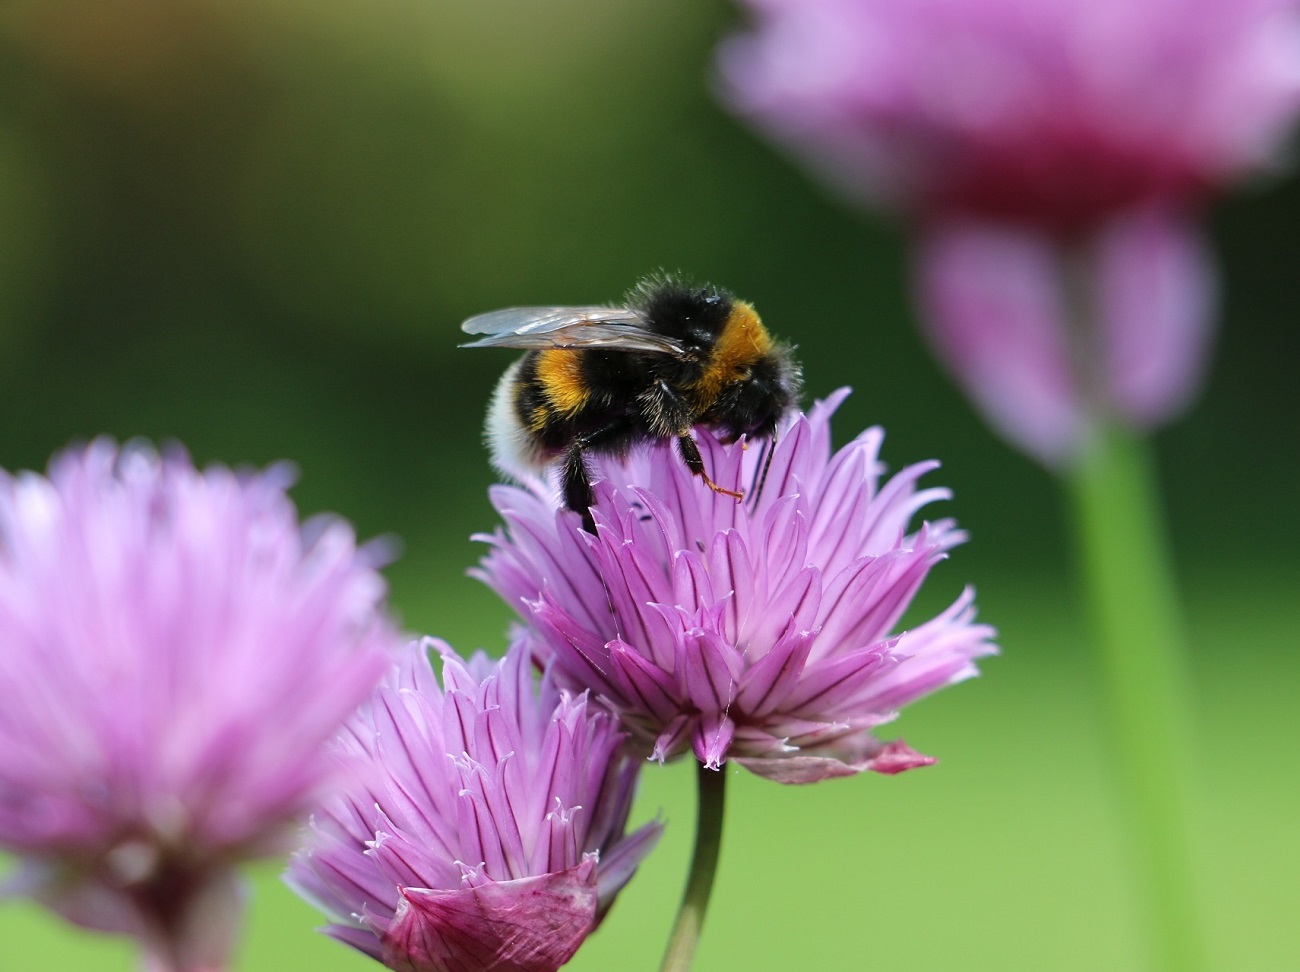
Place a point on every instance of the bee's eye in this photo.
(744, 374)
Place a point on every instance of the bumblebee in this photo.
(600, 380)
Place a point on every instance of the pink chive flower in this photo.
(174, 652)
(760, 633)
(483, 823)
(1052, 155)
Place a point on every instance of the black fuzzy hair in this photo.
(675, 305)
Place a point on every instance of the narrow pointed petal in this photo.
(847, 757)
(673, 738)
(733, 574)
(766, 686)
(793, 606)
(828, 685)
(785, 544)
(708, 669)
(940, 652)
(363, 941)
(898, 757)
(618, 866)
(577, 648)
(713, 735)
(642, 684)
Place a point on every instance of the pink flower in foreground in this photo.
(764, 635)
(1070, 139)
(174, 652)
(483, 823)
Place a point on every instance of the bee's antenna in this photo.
(765, 460)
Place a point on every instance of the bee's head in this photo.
(754, 404)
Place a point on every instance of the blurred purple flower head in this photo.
(1072, 138)
(1054, 113)
(761, 634)
(483, 824)
(174, 652)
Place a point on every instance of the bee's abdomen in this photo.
(515, 450)
(529, 402)
(561, 384)
(540, 405)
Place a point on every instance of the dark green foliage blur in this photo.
(254, 226)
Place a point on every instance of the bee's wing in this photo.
(613, 328)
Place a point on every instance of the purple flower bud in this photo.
(174, 652)
(483, 822)
(762, 632)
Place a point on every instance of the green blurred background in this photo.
(255, 225)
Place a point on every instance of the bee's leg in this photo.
(760, 472)
(576, 480)
(576, 476)
(695, 463)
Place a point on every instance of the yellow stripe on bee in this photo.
(742, 342)
(560, 374)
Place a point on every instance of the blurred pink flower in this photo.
(1071, 137)
(763, 634)
(1005, 308)
(174, 652)
(483, 826)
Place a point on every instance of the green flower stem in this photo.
(1122, 549)
(704, 864)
